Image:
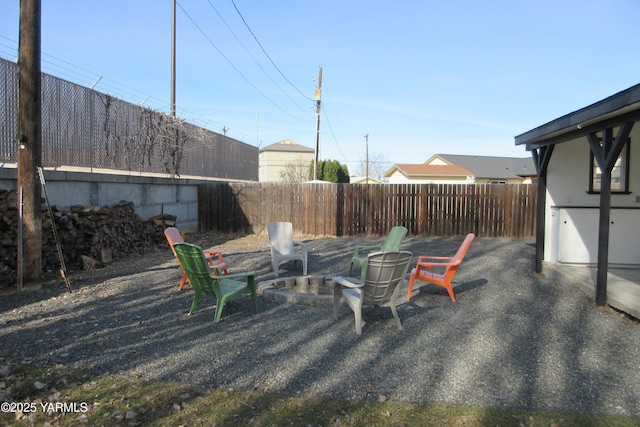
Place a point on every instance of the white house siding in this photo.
(272, 162)
(437, 161)
(571, 227)
(506, 181)
(398, 178)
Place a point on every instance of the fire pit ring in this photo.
(311, 290)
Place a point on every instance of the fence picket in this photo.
(368, 209)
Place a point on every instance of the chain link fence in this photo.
(86, 129)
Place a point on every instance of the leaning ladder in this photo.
(63, 267)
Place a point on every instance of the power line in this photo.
(132, 96)
(326, 116)
(232, 65)
(267, 55)
(253, 57)
(57, 71)
(13, 50)
(64, 69)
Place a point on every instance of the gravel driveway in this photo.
(512, 339)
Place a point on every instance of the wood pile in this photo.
(103, 234)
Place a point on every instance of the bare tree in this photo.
(295, 171)
(378, 164)
(109, 130)
(148, 129)
(173, 136)
(135, 138)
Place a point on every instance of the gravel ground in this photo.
(512, 339)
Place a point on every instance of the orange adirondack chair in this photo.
(173, 236)
(450, 264)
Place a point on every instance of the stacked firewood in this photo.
(86, 233)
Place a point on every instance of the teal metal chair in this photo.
(394, 240)
(205, 281)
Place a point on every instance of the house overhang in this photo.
(613, 111)
(621, 110)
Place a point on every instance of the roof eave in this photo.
(619, 108)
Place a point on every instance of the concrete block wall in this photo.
(150, 195)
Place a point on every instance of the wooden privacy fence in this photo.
(316, 209)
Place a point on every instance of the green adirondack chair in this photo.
(205, 281)
(394, 240)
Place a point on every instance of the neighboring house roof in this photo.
(288, 146)
(417, 171)
(363, 180)
(490, 167)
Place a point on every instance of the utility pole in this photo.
(29, 144)
(318, 99)
(366, 138)
(173, 58)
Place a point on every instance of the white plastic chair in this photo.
(283, 247)
(384, 275)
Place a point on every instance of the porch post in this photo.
(603, 238)
(606, 153)
(541, 158)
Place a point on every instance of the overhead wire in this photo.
(11, 49)
(266, 54)
(328, 102)
(326, 117)
(88, 78)
(232, 64)
(282, 74)
(81, 76)
(254, 58)
(63, 69)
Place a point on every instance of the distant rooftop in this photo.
(289, 146)
(417, 170)
(491, 166)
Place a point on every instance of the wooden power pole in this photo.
(173, 59)
(318, 100)
(366, 138)
(29, 144)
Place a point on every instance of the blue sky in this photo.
(419, 77)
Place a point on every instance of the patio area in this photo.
(512, 338)
(623, 284)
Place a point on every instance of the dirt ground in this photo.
(227, 243)
(230, 243)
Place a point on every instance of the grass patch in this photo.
(56, 397)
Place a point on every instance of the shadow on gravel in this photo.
(512, 338)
